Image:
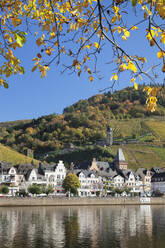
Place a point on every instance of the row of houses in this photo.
(95, 176)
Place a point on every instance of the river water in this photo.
(80, 227)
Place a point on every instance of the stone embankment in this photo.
(76, 201)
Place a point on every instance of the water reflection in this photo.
(71, 227)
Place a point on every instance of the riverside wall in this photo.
(76, 201)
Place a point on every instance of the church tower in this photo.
(120, 162)
(109, 139)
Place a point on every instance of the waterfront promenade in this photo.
(76, 201)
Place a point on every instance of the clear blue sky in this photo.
(29, 96)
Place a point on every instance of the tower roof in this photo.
(120, 156)
(109, 129)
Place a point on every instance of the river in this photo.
(80, 227)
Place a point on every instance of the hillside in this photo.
(11, 156)
(85, 123)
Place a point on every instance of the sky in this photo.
(29, 96)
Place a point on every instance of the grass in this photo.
(11, 156)
(157, 127)
(142, 155)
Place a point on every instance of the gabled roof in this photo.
(102, 165)
(126, 173)
(118, 175)
(141, 172)
(22, 169)
(46, 167)
(87, 173)
(107, 173)
(157, 169)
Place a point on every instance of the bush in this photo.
(22, 192)
(4, 189)
(97, 193)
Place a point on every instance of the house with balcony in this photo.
(89, 183)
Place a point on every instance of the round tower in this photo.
(109, 139)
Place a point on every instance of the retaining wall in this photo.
(76, 201)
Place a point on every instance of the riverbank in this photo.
(76, 201)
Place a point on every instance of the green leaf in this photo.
(134, 2)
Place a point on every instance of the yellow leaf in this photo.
(126, 33)
(48, 52)
(115, 9)
(97, 45)
(89, 46)
(16, 21)
(132, 80)
(123, 67)
(90, 78)
(56, 43)
(113, 20)
(136, 86)
(119, 29)
(123, 37)
(115, 77)
(160, 54)
(131, 66)
(34, 68)
(162, 38)
(89, 71)
(134, 28)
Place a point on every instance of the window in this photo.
(58, 176)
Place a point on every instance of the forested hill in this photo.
(85, 122)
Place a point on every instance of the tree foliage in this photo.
(35, 189)
(47, 189)
(90, 24)
(71, 183)
(83, 123)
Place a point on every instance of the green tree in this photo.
(4, 189)
(35, 189)
(71, 183)
(47, 189)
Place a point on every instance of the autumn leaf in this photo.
(90, 78)
(135, 86)
(115, 77)
(160, 54)
(96, 45)
(131, 66)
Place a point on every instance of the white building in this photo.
(54, 175)
(89, 183)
